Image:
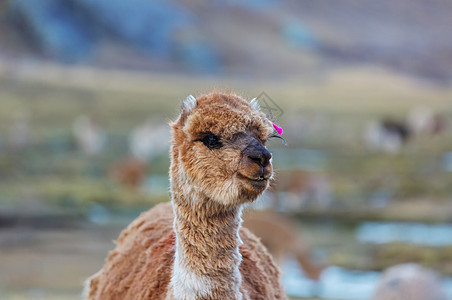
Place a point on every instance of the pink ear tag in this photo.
(279, 130)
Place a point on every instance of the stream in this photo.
(343, 284)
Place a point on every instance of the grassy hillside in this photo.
(52, 97)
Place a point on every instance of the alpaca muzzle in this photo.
(256, 163)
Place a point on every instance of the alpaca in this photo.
(409, 281)
(195, 247)
(90, 137)
(129, 172)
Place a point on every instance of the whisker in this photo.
(279, 137)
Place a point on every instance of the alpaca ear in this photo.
(255, 104)
(187, 107)
(189, 104)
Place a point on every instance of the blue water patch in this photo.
(99, 214)
(339, 283)
(295, 281)
(336, 283)
(436, 235)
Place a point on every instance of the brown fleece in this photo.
(140, 267)
(202, 225)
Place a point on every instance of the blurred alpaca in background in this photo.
(90, 137)
(409, 282)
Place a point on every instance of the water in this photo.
(336, 283)
(435, 235)
(344, 284)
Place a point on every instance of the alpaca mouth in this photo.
(255, 183)
(259, 179)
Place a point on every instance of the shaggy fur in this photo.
(195, 248)
(141, 265)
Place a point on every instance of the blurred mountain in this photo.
(250, 38)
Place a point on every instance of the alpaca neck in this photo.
(207, 256)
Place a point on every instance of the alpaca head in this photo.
(218, 148)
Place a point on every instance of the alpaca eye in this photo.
(212, 141)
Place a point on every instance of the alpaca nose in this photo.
(260, 156)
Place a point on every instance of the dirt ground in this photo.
(51, 263)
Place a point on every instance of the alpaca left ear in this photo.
(189, 104)
(255, 104)
(187, 107)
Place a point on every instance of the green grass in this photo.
(53, 97)
(121, 99)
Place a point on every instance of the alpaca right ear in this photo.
(255, 104)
